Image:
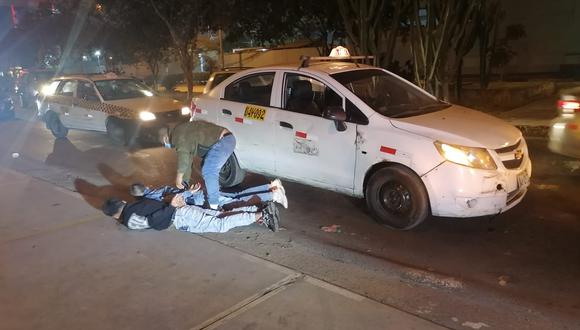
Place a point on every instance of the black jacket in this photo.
(158, 214)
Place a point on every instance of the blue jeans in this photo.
(263, 192)
(194, 219)
(215, 158)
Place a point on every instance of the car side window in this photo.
(309, 96)
(255, 89)
(354, 115)
(67, 88)
(86, 91)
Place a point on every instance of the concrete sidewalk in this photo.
(67, 266)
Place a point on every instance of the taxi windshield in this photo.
(387, 94)
(120, 89)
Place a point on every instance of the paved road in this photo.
(517, 270)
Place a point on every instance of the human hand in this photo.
(179, 184)
(195, 187)
(177, 201)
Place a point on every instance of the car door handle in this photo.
(226, 112)
(287, 125)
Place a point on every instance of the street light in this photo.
(98, 56)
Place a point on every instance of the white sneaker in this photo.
(279, 197)
(278, 184)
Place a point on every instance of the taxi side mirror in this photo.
(338, 115)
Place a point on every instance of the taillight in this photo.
(572, 126)
(569, 106)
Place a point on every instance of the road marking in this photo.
(249, 303)
(334, 289)
(269, 264)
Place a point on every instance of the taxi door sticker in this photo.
(306, 147)
(255, 113)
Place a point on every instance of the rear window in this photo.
(254, 89)
(218, 78)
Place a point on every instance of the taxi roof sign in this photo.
(338, 53)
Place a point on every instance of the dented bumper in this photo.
(459, 191)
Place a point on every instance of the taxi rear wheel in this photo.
(397, 198)
(55, 126)
(231, 173)
(116, 131)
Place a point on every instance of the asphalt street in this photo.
(515, 270)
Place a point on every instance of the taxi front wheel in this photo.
(118, 131)
(55, 125)
(397, 198)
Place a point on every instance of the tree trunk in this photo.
(459, 81)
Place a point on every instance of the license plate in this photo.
(255, 113)
(523, 179)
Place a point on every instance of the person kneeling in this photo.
(148, 213)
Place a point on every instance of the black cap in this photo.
(112, 206)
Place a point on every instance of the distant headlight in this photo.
(467, 156)
(46, 90)
(146, 93)
(146, 116)
(185, 111)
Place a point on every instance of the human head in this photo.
(137, 189)
(164, 137)
(113, 207)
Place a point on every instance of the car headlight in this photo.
(467, 156)
(185, 111)
(146, 116)
(46, 90)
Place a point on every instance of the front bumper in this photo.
(149, 130)
(459, 191)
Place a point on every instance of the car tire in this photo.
(116, 131)
(54, 124)
(397, 198)
(231, 173)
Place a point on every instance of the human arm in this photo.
(159, 193)
(184, 161)
(179, 180)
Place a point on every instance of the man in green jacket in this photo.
(187, 138)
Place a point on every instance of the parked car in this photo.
(564, 136)
(214, 79)
(122, 107)
(365, 132)
(217, 77)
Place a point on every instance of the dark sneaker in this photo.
(271, 217)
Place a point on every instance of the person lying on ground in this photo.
(273, 191)
(148, 213)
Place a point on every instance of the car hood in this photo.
(152, 104)
(462, 126)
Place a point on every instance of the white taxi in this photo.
(124, 108)
(365, 132)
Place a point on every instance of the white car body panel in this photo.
(341, 161)
(461, 126)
